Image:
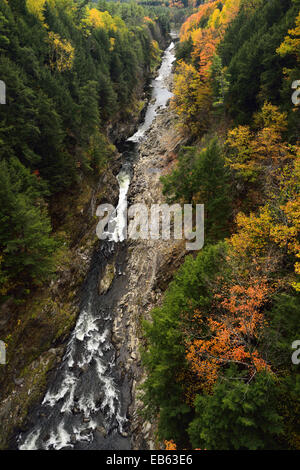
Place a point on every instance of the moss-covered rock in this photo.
(107, 278)
(30, 386)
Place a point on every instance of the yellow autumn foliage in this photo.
(291, 43)
(277, 226)
(36, 8)
(96, 19)
(62, 53)
(252, 151)
(192, 99)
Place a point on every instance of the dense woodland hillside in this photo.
(219, 354)
(70, 71)
(218, 350)
(75, 73)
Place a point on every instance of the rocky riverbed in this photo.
(37, 344)
(150, 265)
(93, 399)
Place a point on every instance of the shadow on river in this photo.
(87, 402)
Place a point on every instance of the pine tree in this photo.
(238, 416)
(202, 178)
(25, 231)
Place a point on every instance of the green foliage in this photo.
(165, 359)
(283, 328)
(201, 177)
(184, 49)
(70, 71)
(220, 81)
(238, 416)
(289, 406)
(242, 292)
(56, 105)
(249, 51)
(25, 229)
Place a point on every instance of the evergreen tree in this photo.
(25, 231)
(238, 416)
(164, 389)
(202, 178)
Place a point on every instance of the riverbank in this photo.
(50, 312)
(150, 266)
(92, 401)
(36, 345)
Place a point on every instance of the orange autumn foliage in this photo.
(232, 335)
(147, 19)
(205, 43)
(193, 96)
(170, 445)
(194, 20)
(206, 28)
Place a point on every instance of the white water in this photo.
(117, 225)
(88, 345)
(160, 98)
(160, 93)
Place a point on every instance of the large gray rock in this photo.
(107, 278)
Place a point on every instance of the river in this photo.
(86, 405)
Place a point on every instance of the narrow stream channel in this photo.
(87, 402)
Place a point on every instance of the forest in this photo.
(218, 352)
(75, 72)
(71, 69)
(219, 348)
